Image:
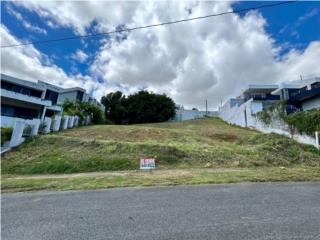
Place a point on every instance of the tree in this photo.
(83, 109)
(115, 109)
(141, 107)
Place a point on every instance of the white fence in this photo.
(19, 126)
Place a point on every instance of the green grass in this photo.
(191, 144)
(192, 176)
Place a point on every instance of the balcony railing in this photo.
(303, 94)
(270, 97)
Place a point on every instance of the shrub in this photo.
(27, 130)
(302, 122)
(6, 134)
(276, 109)
(305, 122)
(42, 127)
(83, 109)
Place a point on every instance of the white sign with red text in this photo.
(147, 164)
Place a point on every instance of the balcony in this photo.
(24, 98)
(303, 94)
(265, 98)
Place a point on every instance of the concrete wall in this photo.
(47, 121)
(16, 137)
(245, 116)
(183, 115)
(71, 122)
(56, 123)
(64, 124)
(11, 121)
(76, 121)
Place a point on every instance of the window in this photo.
(52, 96)
(79, 96)
(11, 111)
(20, 89)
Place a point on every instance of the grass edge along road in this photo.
(157, 178)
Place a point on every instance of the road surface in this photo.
(235, 211)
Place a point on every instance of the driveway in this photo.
(230, 211)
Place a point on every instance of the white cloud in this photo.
(28, 63)
(80, 56)
(206, 59)
(308, 15)
(24, 22)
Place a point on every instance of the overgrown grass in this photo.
(193, 176)
(201, 143)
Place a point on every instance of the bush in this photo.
(6, 134)
(83, 109)
(302, 122)
(141, 107)
(275, 109)
(42, 127)
(27, 131)
(305, 122)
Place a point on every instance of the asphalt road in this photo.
(235, 211)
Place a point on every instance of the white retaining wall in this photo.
(244, 116)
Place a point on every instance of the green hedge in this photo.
(305, 122)
(5, 134)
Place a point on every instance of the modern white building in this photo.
(299, 96)
(253, 100)
(25, 100)
(35, 104)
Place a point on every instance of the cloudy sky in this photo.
(210, 59)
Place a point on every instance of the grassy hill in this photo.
(205, 143)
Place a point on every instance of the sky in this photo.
(213, 59)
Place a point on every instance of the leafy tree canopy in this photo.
(140, 107)
(83, 109)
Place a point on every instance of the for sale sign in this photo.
(147, 164)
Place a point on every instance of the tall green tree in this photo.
(115, 107)
(141, 107)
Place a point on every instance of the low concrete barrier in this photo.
(16, 137)
(47, 122)
(56, 123)
(65, 122)
(76, 121)
(71, 122)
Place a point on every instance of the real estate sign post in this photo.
(147, 164)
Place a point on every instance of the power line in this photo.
(147, 26)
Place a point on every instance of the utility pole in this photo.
(206, 107)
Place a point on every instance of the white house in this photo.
(254, 99)
(25, 103)
(299, 96)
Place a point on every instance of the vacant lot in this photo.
(198, 144)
